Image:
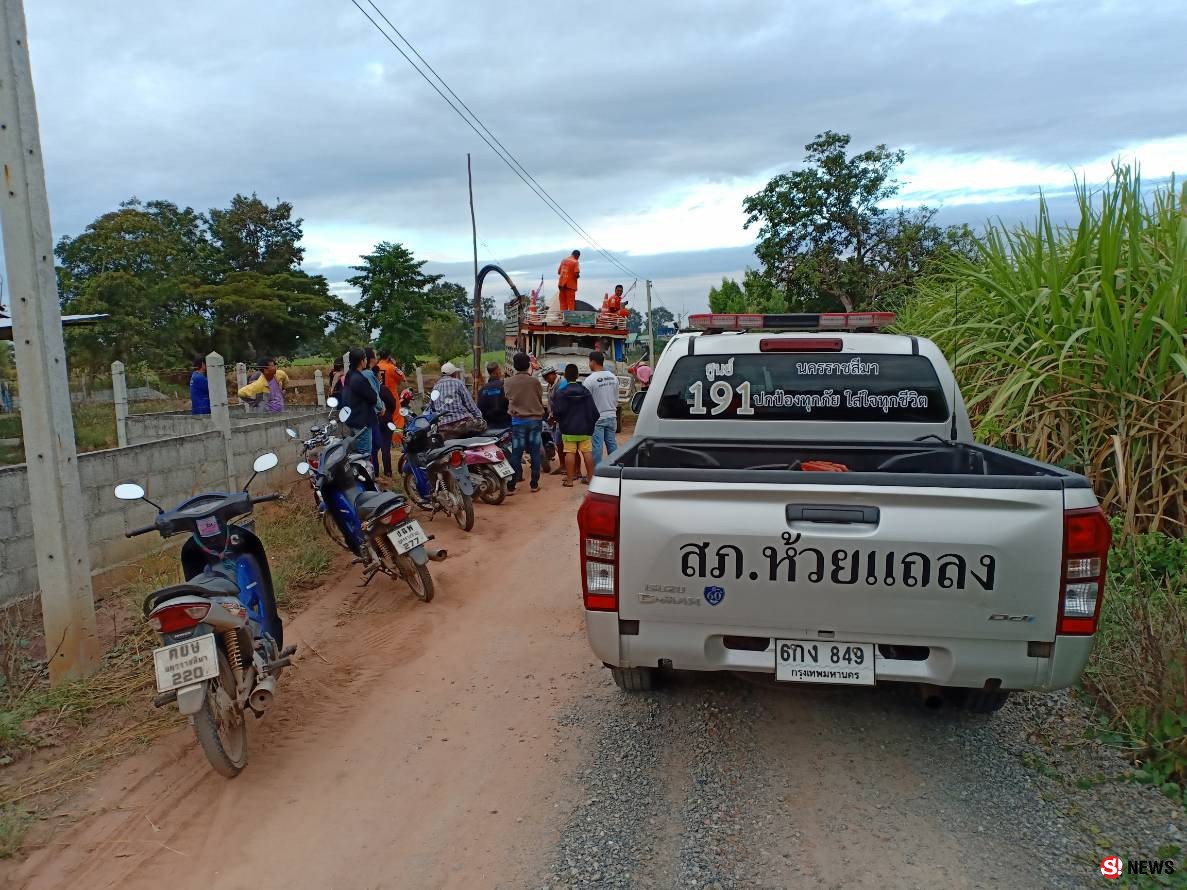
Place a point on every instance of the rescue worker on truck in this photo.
(614, 304)
(569, 271)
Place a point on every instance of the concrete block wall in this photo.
(170, 470)
(165, 425)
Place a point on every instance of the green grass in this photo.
(1138, 670)
(94, 428)
(1068, 343)
(14, 822)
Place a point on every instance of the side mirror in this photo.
(332, 402)
(434, 395)
(404, 412)
(290, 432)
(303, 468)
(129, 491)
(344, 414)
(391, 426)
(265, 462)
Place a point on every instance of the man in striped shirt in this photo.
(457, 415)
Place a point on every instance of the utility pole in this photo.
(650, 328)
(477, 297)
(55, 491)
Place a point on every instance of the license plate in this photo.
(820, 661)
(185, 663)
(503, 468)
(407, 536)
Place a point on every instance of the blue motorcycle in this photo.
(221, 635)
(434, 470)
(374, 525)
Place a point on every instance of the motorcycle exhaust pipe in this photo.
(933, 696)
(437, 554)
(262, 696)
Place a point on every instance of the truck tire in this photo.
(633, 679)
(986, 701)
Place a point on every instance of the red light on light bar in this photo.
(825, 321)
(799, 344)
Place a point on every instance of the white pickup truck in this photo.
(804, 497)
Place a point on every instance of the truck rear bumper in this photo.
(948, 662)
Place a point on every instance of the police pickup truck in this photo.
(803, 497)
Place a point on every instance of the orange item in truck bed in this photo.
(823, 466)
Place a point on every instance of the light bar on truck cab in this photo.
(794, 321)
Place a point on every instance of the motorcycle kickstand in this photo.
(369, 573)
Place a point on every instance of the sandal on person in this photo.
(568, 483)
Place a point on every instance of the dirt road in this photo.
(473, 742)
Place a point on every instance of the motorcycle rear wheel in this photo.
(222, 732)
(494, 490)
(411, 494)
(418, 578)
(463, 514)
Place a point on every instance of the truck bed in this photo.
(927, 464)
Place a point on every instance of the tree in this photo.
(634, 321)
(727, 298)
(448, 338)
(398, 300)
(661, 317)
(252, 314)
(254, 237)
(826, 240)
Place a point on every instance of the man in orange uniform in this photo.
(569, 271)
(615, 304)
(393, 378)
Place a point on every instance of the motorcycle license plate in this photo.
(407, 536)
(185, 663)
(821, 661)
(503, 468)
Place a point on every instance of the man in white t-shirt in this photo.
(603, 386)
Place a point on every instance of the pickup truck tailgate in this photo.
(868, 561)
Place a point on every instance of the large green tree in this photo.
(398, 299)
(254, 315)
(828, 241)
(252, 236)
(755, 294)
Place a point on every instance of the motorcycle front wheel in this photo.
(411, 494)
(418, 578)
(494, 488)
(221, 730)
(462, 508)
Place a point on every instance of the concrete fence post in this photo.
(319, 386)
(119, 392)
(420, 382)
(220, 412)
(241, 381)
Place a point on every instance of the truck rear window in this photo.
(804, 386)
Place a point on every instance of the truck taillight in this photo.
(597, 521)
(1086, 540)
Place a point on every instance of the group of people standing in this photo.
(370, 388)
(582, 416)
(265, 388)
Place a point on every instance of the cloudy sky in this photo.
(648, 122)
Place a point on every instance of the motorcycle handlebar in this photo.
(267, 497)
(140, 531)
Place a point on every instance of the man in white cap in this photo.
(457, 415)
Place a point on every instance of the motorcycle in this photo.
(222, 639)
(374, 525)
(434, 471)
(491, 469)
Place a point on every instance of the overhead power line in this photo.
(483, 132)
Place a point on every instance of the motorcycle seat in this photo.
(433, 453)
(472, 442)
(376, 503)
(498, 432)
(205, 585)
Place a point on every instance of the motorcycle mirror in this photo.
(391, 426)
(404, 412)
(303, 468)
(332, 402)
(290, 432)
(434, 395)
(129, 491)
(344, 414)
(265, 462)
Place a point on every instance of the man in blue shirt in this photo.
(199, 388)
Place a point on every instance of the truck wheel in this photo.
(633, 679)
